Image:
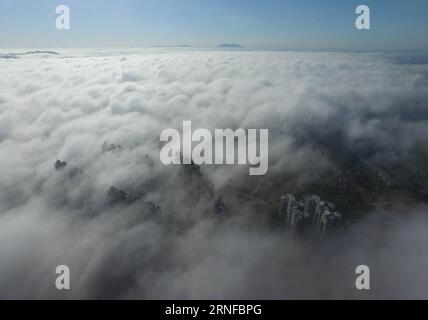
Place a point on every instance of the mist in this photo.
(130, 227)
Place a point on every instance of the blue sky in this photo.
(398, 25)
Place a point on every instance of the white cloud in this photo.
(65, 107)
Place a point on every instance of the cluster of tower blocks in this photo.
(309, 215)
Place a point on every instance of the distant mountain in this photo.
(15, 55)
(41, 52)
(8, 56)
(230, 45)
(174, 46)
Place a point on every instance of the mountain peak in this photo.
(230, 45)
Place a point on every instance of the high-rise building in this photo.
(311, 204)
(311, 215)
(326, 219)
(285, 207)
(296, 219)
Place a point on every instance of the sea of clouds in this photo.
(66, 106)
